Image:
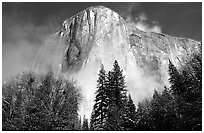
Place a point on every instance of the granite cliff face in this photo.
(96, 33)
(100, 35)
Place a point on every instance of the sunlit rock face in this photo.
(100, 35)
(96, 33)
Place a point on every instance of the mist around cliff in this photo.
(139, 85)
(50, 103)
(28, 46)
(23, 39)
(45, 51)
(22, 43)
(33, 47)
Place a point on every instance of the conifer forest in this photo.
(101, 66)
(42, 102)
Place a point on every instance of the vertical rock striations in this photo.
(100, 35)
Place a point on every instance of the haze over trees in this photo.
(42, 102)
(176, 108)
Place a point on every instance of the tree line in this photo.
(42, 102)
(39, 102)
(112, 108)
(176, 108)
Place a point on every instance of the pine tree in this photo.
(79, 124)
(92, 120)
(168, 106)
(85, 126)
(99, 114)
(158, 110)
(144, 121)
(117, 98)
(111, 122)
(193, 78)
(192, 96)
(187, 89)
(129, 117)
(176, 80)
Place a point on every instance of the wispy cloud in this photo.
(143, 23)
(22, 40)
(134, 14)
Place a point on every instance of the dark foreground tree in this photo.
(129, 117)
(108, 111)
(176, 80)
(100, 109)
(192, 97)
(85, 125)
(143, 119)
(117, 98)
(33, 102)
(187, 89)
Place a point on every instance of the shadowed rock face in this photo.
(100, 35)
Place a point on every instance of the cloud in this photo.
(22, 40)
(148, 28)
(139, 84)
(87, 80)
(134, 14)
(126, 9)
(143, 23)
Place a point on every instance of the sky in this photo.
(26, 26)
